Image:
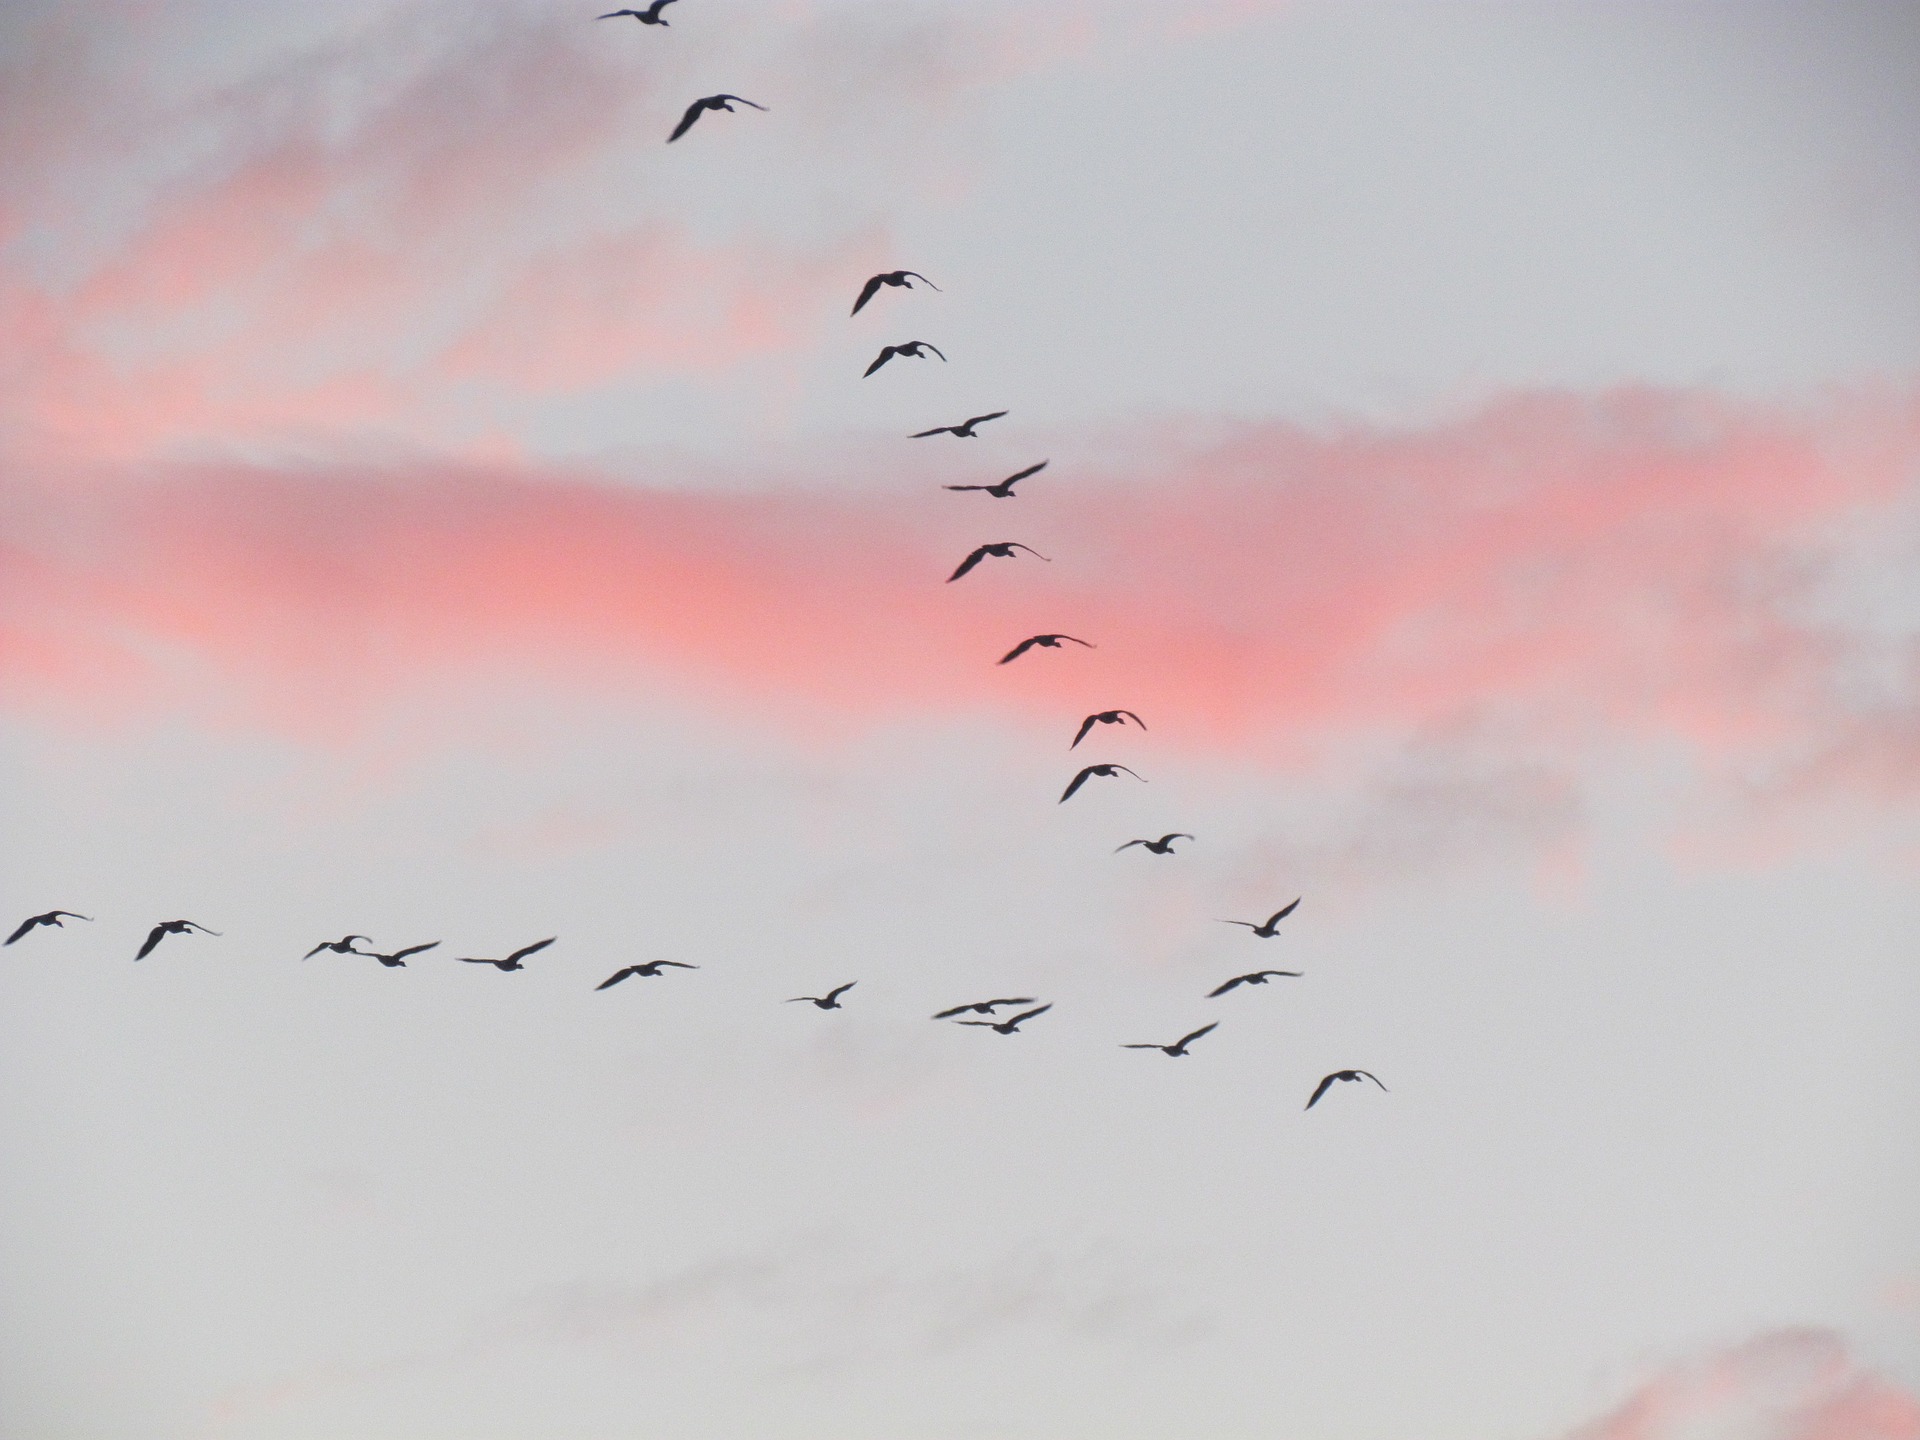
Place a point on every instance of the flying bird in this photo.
(1271, 926)
(1162, 846)
(1258, 977)
(913, 350)
(964, 430)
(166, 928)
(1327, 1083)
(1179, 1047)
(52, 918)
(398, 959)
(339, 947)
(512, 962)
(983, 1007)
(1105, 717)
(1007, 1027)
(648, 971)
(901, 279)
(711, 102)
(648, 16)
(829, 1001)
(1045, 642)
(1003, 490)
(1106, 772)
(1002, 550)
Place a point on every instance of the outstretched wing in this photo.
(1286, 974)
(616, 14)
(477, 960)
(1320, 1090)
(741, 98)
(963, 487)
(323, 945)
(617, 977)
(990, 1024)
(653, 10)
(25, 926)
(1020, 649)
(1030, 470)
(956, 1010)
(941, 430)
(887, 352)
(1128, 846)
(935, 348)
(1078, 781)
(1033, 552)
(677, 964)
(867, 292)
(836, 994)
(527, 950)
(1133, 717)
(1085, 725)
(1177, 835)
(980, 419)
(154, 937)
(413, 950)
(1371, 1076)
(967, 564)
(686, 120)
(1237, 980)
(1186, 1040)
(1281, 914)
(1021, 1019)
(1248, 923)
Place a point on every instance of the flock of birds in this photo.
(986, 1012)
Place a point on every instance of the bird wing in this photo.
(1282, 914)
(1289, 974)
(1078, 781)
(956, 1010)
(154, 937)
(1020, 649)
(935, 348)
(1085, 725)
(1248, 923)
(1016, 1000)
(965, 487)
(1030, 470)
(887, 352)
(937, 430)
(25, 926)
(814, 999)
(686, 120)
(742, 99)
(1143, 1047)
(1020, 1019)
(921, 278)
(1129, 845)
(657, 6)
(677, 964)
(1078, 641)
(412, 950)
(478, 960)
(1237, 980)
(1371, 1076)
(836, 994)
(867, 292)
(1031, 551)
(1186, 1040)
(323, 945)
(1177, 835)
(617, 977)
(967, 564)
(1320, 1090)
(990, 1024)
(616, 14)
(527, 950)
(1137, 777)
(1133, 717)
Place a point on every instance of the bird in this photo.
(913, 350)
(1104, 771)
(1327, 1083)
(1003, 490)
(896, 278)
(648, 16)
(339, 947)
(1007, 1027)
(829, 1001)
(512, 962)
(648, 971)
(711, 102)
(1179, 1047)
(1105, 717)
(1002, 550)
(1258, 977)
(166, 928)
(964, 430)
(983, 1007)
(1162, 846)
(52, 918)
(398, 959)
(1045, 642)
(1271, 926)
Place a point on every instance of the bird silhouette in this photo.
(1270, 927)
(1327, 1083)
(913, 350)
(1105, 717)
(829, 1001)
(1162, 846)
(711, 102)
(1179, 1047)
(1000, 550)
(51, 918)
(648, 16)
(339, 947)
(1007, 1027)
(898, 278)
(963, 430)
(398, 959)
(1258, 977)
(1004, 489)
(983, 1007)
(648, 971)
(1045, 642)
(512, 962)
(1105, 772)
(166, 928)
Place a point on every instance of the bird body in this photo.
(512, 962)
(963, 431)
(700, 107)
(983, 1007)
(166, 928)
(1104, 771)
(901, 279)
(648, 971)
(1179, 1047)
(339, 947)
(52, 919)
(1162, 846)
(1003, 490)
(829, 1001)
(648, 16)
(1270, 927)
(1105, 717)
(1010, 1026)
(398, 959)
(1327, 1084)
(913, 350)
(1258, 977)
(1000, 550)
(1045, 642)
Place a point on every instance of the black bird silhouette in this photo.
(1003, 490)
(897, 278)
(1007, 1027)
(166, 928)
(964, 430)
(829, 1001)
(1000, 550)
(1105, 772)
(648, 971)
(398, 959)
(983, 1007)
(1105, 717)
(1162, 846)
(711, 102)
(1045, 642)
(52, 917)
(1179, 1047)
(339, 947)
(648, 16)
(1271, 926)
(512, 962)
(913, 350)
(1327, 1083)
(1258, 977)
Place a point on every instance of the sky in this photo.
(1483, 449)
